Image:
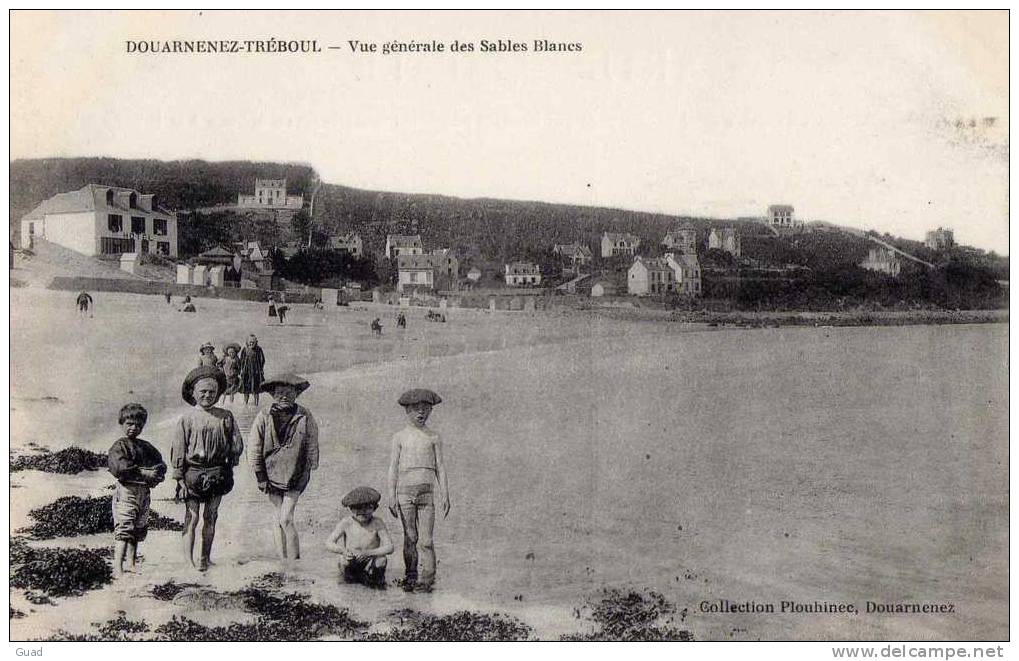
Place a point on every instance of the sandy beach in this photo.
(585, 452)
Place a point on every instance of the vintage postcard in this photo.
(509, 326)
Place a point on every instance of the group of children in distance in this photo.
(283, 450)
(243, 367)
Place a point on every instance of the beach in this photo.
(585, 451)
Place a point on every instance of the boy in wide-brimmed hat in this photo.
(206, 447)
(362, 539)
(415, 468)
(283, 451)
(231, 365)
(207, 356)
(138, 466)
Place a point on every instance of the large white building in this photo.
(436, 270)
(404, 244)
(522, 274)
(270, 194)
(673, 273)
(783, 216)
(619, 243)
(103, 220)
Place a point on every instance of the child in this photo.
(138, 467)
(207, 355)
(415, 466)
(283, 452)
(362, 540)
(207, 446)
(230, 364)
(252, 366)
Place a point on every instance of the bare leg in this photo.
(119, 549)
(426, 524)
(245, 399)
(278, 537)
(131, 555)
(256, 398)
(287, 524)
(209, 530)
(191, 513)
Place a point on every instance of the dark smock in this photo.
(251, 373)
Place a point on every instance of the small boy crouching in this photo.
(138, 466)
(362, 540)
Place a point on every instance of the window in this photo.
(109, 197)
(133, 201)
(159, 226)
(137, 225)
(115, 222)
(163, 247)
(413, 277)
(108, 246)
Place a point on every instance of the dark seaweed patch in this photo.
(57, 571)
(632, 616)
(68, 461)
(167, 591)
(71, 516)
(460, 626)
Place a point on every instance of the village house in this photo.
(474, 274)
(940, 239)
(403, 244)
(253, 256)
(683, 240)
(577, 254)
(726, 239)
(603, 287)
(349, 243)
(782, 216)
(270, 194)
(619, 243)
(436, 270)
(687, 273)
(519, 274)
(882, 260)
(101, 220)
(649, 276)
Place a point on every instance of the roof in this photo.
(653, 264)
(416, 262)
(687, 260)
(404, 239)
(349, 237)
(780, 207)
(571, 249)
(620, 236)
(474, 269)
(91, 197)
(218, 251)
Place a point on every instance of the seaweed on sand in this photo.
(167, 591)
(632, 616)
(57, 571)
(68, 461)
(119, 629)
(460, 626)
(281, 617)
(72, 515)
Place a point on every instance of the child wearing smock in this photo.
(138, 466)
(205, 449)
(415, 468)
(231, 366)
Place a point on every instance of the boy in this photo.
(415, 467)
(137, 466)
(205, 449)
(362, 539)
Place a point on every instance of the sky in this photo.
(894, 121)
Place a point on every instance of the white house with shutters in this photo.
(619, 243)
(99, 220)
(523, 274)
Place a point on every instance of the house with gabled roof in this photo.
(682, 240)
(102, 220)
(523, 274)
(619, 243)
(577, 254)
(349, 243)
(404, 244)
(686, 272)
(650, 276)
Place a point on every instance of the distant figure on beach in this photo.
(282, 312)
(283, 451)
(401, 320)
(84, 302)
(272, 307)
(207, 355)
(416, 467)
(362, 540)
(138, 466)
(252, 366)
(376, 327)
(169, 299)
(231, 366)
(188, 307)
(206, 447)
(318, 304)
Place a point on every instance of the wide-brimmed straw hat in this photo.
(207, 345)
(196, 375)
(236, 347)
(298, 382)
(419, 396)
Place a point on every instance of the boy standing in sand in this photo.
(206, 448)
(415, 468)
(362, 539)
(138, 467)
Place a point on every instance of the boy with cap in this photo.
(138, 467)
(415, 468)
(283, 452)
(362, 539)
(205, 449)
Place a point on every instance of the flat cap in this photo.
(196, 375)
(419, 396)
(288, 379)
(361, 496)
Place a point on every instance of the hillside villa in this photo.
(940, 239)
(270, 194)
(519, 274)
(882, 260)
(725, 239)
(436, 270)
(619, 243)
(99, 220)
(782, 216)
(403, 244)
(672, 273)
(683, 240)
(577, 254)
(349, 243)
